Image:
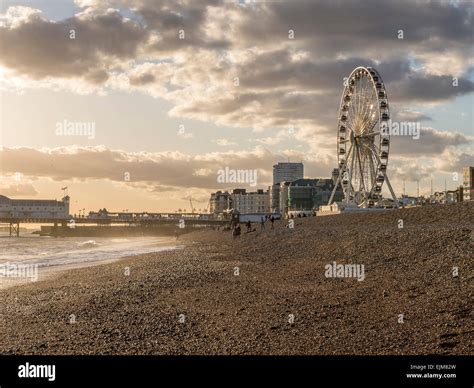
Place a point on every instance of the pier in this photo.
(139, 220)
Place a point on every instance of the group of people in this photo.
(265, 219)
(237, 231)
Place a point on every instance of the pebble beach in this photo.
(266, 293)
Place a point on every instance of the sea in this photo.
(56, 253)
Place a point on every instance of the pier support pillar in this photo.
(15, 229)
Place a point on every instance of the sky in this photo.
(176, 90)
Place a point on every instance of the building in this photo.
(287, 171)
(301, 193)
(468, 183)
(283, 205)
(309, 194)
(250, 202)
(283, 172)
(34, 208)
(220, 202)
(274, 198)
(406, 200)
(460, 194)
(449, 196)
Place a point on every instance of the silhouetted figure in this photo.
(236, 232)
(272, 220)
(262, 224)
(249, 226)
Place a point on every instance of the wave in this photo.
(88, 244)
(58, 252)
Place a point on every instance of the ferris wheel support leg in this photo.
(335, 188)
(350, 188)
(361, 174)
(394, 197)
(341, 172)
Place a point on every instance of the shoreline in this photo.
(50, 272)
(265, 293)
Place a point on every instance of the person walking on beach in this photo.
(272, 220)
(236, 231)
(249, 226)
(262, 224)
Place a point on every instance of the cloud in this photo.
(370, 27)
(278, 137)
(411, 168)
(431, 143)
(175, 173)
(173, 169)
(430, 88)
(14, 190)
(281, 82)
(224, 142)
(39, 48)
(409, 115)
(186, 135)
(168, 170)
(237, 67)
(269, 140)
(454, 161)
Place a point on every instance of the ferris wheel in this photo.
(363, 139)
